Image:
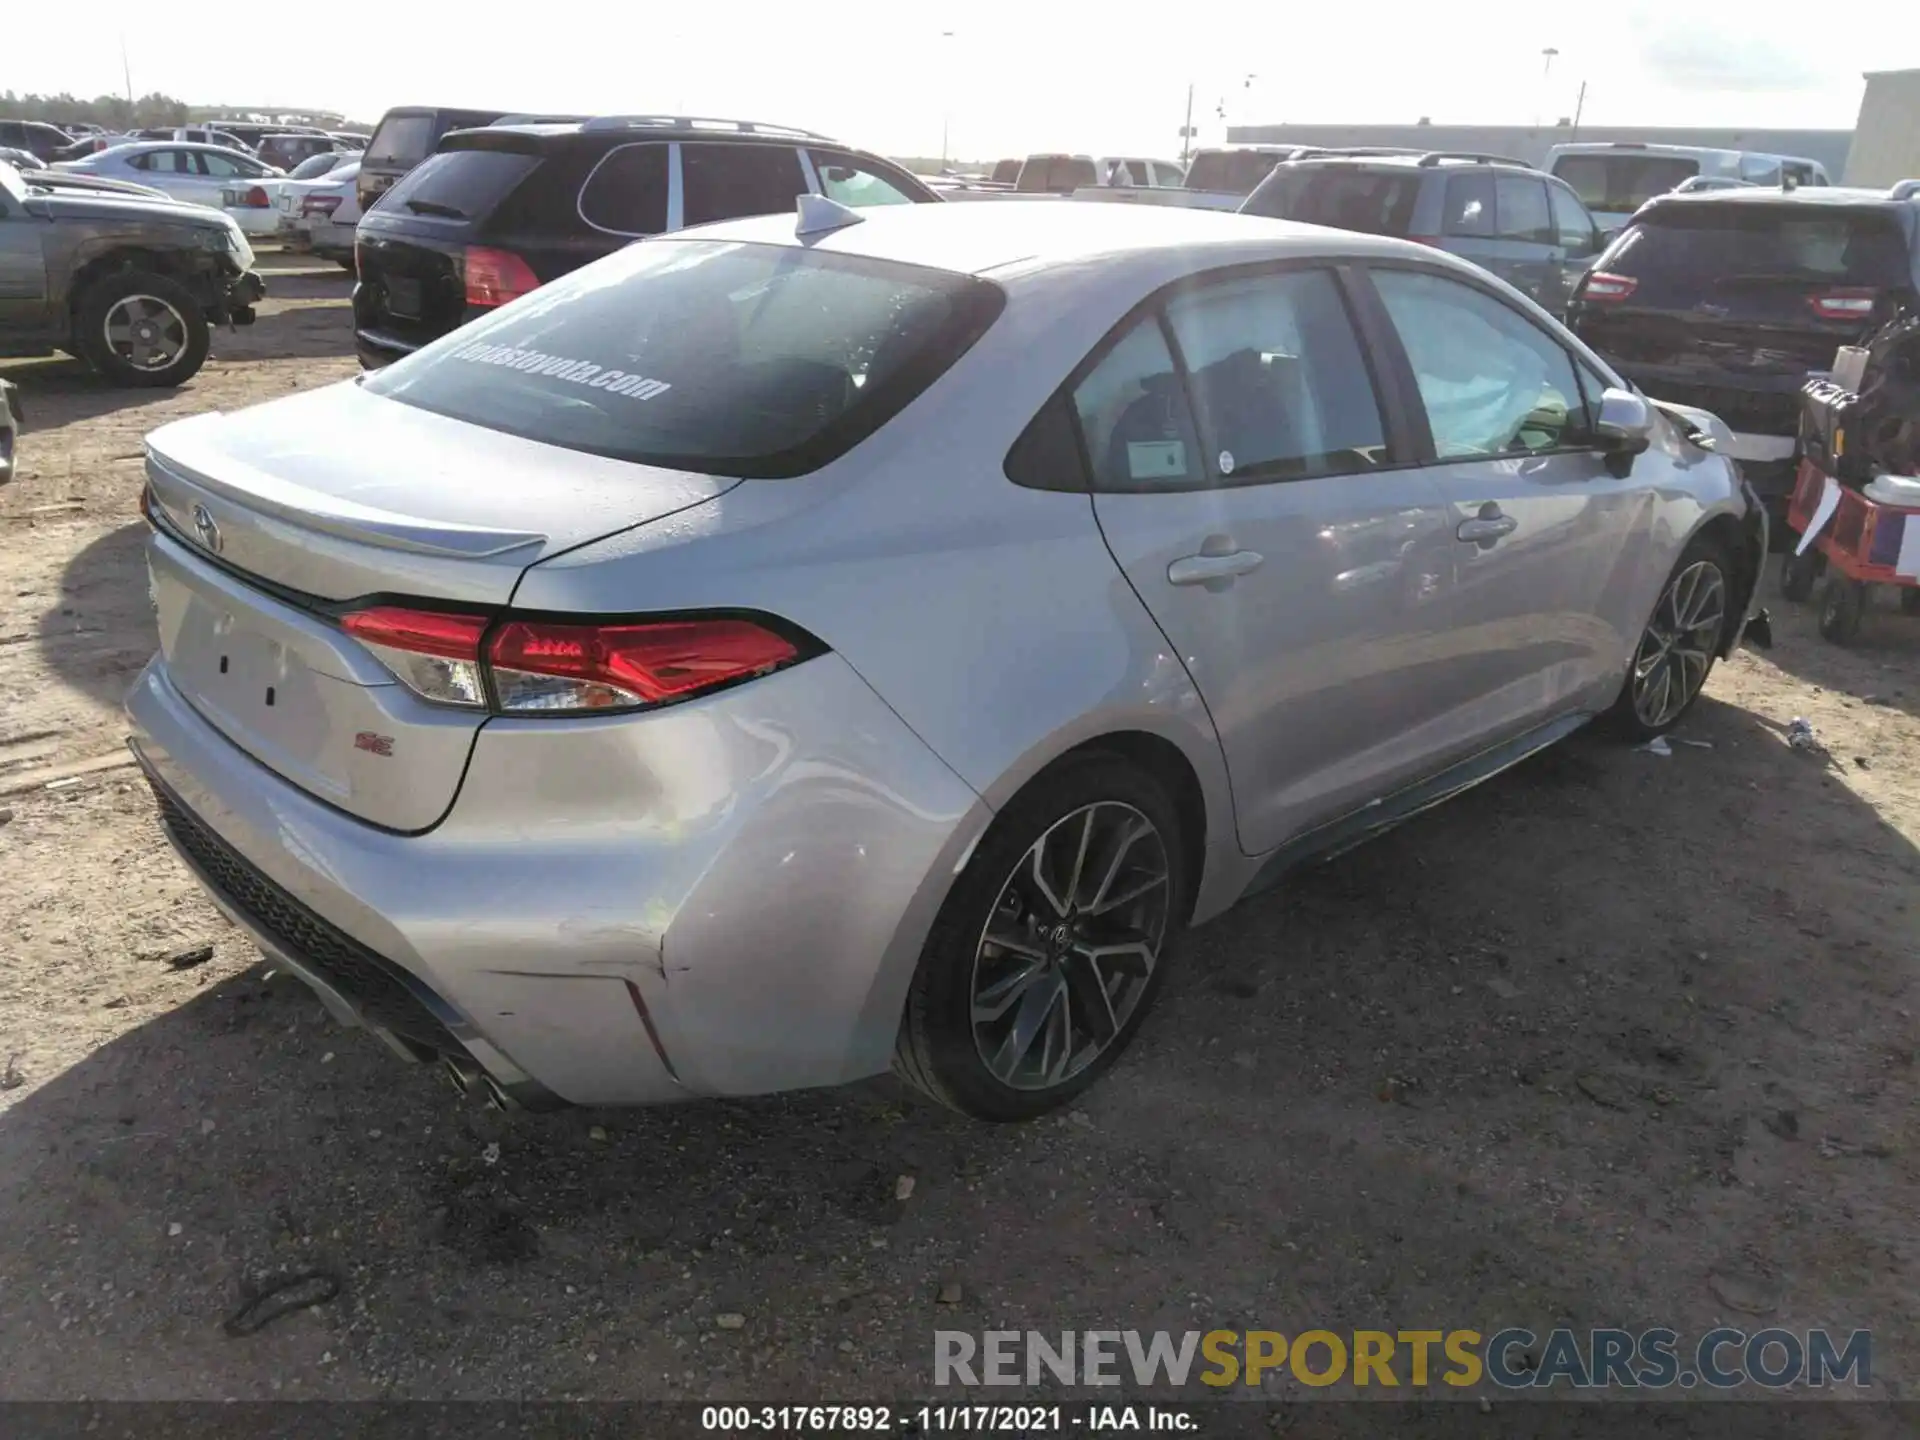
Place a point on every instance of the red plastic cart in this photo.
(1856, 548)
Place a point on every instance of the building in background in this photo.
(1886, 137)
(1531, 143)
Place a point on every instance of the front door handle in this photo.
(1488, 526)
(1204, 569)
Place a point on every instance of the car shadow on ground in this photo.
(59, 391)
(1582, 1047)
(101, 630)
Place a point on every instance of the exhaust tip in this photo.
(463, 1075)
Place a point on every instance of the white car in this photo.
(320, 214)
(209, 175)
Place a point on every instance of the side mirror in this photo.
(1624, 428)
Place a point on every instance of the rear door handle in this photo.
(1488, 526)
(1203, 569)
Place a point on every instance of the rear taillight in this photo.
(435, 655)
(320, 204)
(543, 667)
(1847, 304)
(256, 199)
(540, 666)
(496, 276)
(1602, 286)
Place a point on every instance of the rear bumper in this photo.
(256, 222)
(727, 897)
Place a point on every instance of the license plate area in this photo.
(254, 686)
(403, 297)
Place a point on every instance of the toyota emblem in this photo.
(204, 527)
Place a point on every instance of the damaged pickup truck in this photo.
(132, 286)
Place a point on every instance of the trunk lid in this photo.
(273, 517)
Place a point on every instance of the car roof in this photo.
(1436, 161)
(1831, 196)
(571, 132)
(133, 146)
(1038, 235)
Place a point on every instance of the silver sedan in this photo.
(785, 650)
(209, 175)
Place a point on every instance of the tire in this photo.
(1842, 604)
(1798, 573)
(130, 297)
(1050, 988)
(1635, 716)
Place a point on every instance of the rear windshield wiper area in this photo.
(434, 207)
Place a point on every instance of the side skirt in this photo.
(1378, 816)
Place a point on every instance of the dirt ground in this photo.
(1615, 1040)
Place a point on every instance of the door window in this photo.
(722, 181)
(846, 180)
(1492, 382)
(1133, 416)
(627, 191)
(220, 166)
(1522, 208)
(1469, 205)
(1277, 377)
(1572, 225)
(171, 162)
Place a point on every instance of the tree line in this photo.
(115, 112)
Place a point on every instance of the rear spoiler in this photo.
(512, 142)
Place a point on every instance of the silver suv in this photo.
(1507, 217)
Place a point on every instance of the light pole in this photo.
(1546, 77)
(946, 99)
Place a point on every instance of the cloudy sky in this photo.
(1002, 77)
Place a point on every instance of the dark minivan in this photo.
(1728, 299)
(404, 137)
(499, 211)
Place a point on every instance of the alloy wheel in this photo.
(145, 332)
(1679, 645)
(1070, 946)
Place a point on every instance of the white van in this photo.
(1614, 178)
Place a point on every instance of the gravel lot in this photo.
(1617, 1039)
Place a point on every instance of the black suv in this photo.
(497, 212)
(1507, 217)
(130, 285)
(1728, 299)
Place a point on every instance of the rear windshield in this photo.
(1229, 172)
(1373, 201)
(458, 184)
(1723, 243)
(752, 360)
(402, 140)
(1057, 172)
(1623, 183)
(1006, 172)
